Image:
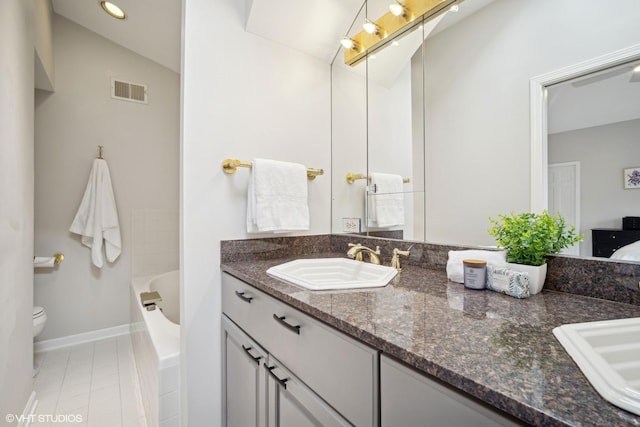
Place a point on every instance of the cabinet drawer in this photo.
(245, 305)
(343, 371)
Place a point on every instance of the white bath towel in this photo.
(277, 197)
(97, 217)
(387, 200)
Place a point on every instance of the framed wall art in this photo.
(632, 177)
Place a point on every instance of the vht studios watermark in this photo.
(44, 418)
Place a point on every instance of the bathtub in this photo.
(156, 346)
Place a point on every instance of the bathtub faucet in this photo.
(149, 300)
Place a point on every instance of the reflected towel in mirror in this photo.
(386, 204)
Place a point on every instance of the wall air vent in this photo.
(128, 91)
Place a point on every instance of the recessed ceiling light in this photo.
(113, 10)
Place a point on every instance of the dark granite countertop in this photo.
(494, 347)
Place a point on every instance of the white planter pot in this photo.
(537, 274)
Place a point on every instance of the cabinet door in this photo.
(411, 399)
(292, 404)
(243, 379)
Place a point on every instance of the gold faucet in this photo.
(356, 253)
(395, 260)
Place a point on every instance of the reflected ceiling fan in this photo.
(635, 76)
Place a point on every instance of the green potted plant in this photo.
(529, 238)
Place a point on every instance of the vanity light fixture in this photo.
(113, 10)
(403, 16)
(370, 27)
(397, 9)
(348, 43)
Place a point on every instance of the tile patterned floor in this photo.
(96, 382)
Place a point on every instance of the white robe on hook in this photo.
(97, 217)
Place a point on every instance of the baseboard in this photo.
(82, 338)
(29, 411)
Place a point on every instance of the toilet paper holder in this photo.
(57, 258)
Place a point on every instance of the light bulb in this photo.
(454, 8)
(636, 69)
(397, 9)
(347, 43)
(113, 10)
(370, 26)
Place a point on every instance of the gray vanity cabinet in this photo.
(243, 378)
(339, 371)
(258, 388)
(412, 399)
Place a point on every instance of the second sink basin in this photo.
(608, 353)
(333, 273)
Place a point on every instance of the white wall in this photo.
(477, 94)
(243, 97)
(349, 144)
(16, 205)
(141, 144)
(603, 152)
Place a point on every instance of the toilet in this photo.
(39, 319)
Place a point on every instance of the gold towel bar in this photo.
(352, 177)
(231, 165)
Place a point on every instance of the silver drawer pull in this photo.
(282, 382)
(252, 357)
(243, 297)
(292, 328)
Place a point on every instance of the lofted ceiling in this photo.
(152, 28)
(311, 26)
(604, 97)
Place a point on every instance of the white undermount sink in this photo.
(608, 353)
(319, 274)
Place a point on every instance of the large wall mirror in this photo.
(453, 115)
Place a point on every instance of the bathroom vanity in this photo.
(420, 350)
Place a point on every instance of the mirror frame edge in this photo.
(538, 115)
